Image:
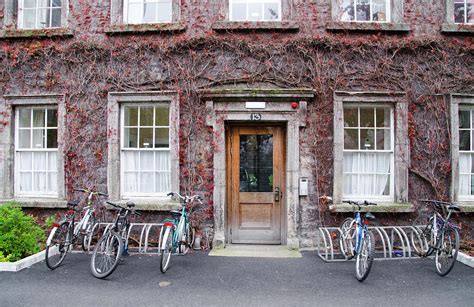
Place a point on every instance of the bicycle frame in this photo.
(178, 226)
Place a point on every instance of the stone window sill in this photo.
(36, 33)
(255, 25)
(52, 203)
(457, 28)
(381, 208)
(144, 28)
(466, 206)
(152, 204)
(367, 26)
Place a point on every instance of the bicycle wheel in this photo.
(365, 258)
(106, 255)
(56, 248)
(188, 240)
(345, 240)
(91, 231)
(167, 249)
(447, 251)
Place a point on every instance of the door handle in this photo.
(278, 194)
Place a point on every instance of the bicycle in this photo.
(357, 241)
(176, 233)
(66, 233)
(440, 236)
(111, 246)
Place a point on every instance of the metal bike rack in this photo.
(391, 242)
(143, 243)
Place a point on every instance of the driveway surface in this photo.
(199, 280)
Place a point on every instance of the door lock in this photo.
(278, 194)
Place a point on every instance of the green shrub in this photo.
(50, 221)
(19, 234)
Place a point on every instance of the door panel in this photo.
(256, 177)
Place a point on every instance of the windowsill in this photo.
(255, 25)
(367, 26)
(457, 28)
(150, 204)
(466, 206)
(381, 208)
(38, 202)
(36, 33)
(143, 28)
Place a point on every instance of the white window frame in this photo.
(280, 10)
(466, 13)
(388, 5)
(123, 148)
(466, 197)
(389, 197)
(37, 8)
(126, 5)
(31, 149)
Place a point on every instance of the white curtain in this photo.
(37, 172)
(464, 171)
(146, 172)
(366, 173)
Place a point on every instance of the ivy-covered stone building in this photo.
(260, 106)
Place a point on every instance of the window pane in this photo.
(255, 11)
(146, 160)
(351, 162)
(347, 10)
(42, 21)
(29, 4)
(459, 12)
(367, 163)
(131, 116)
(146, 138)
(150, 12)
(24, 139)
(271, 11)
(56, 3)
(239, 11)
(29, 18)
(162, 116)
(464, 119)
(351, 184)
(146, 116)
(52, 182)
(130, 182)
(135, 13)
(162, 161)
(52, 161)
(367, 139)
(56, 18)
(379, 10)
(366, 184)
(38, 138)
(38, 118)
(382, 185)
(52, 139)
(25, 181)
(367, 117)
(165, 12)
(351, 117)
(146, 182)
(383, 139)
(351, 139)
(162, 139)
(464, 140)
(52, 118)
(470, 11)
(39, 182)
(362, 10)
(39, 161)
(25, 117)
(25, 161)
(383, 117)
(130, 138)
(130, 160)
(162, 184)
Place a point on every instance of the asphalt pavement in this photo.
(197, 279)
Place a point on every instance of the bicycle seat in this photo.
(454, 207)
(130, 204)
(73, 203)
(369, 216)
(176, 211)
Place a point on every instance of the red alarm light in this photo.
(294, 104)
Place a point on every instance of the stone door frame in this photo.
(229, 105)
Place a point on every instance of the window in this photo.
(368, 152)
(38, 14)
(145, 163)
(466, 152)
(147, 11)
(365, 10)
(36, 151)
(255, 10)
(463, 11)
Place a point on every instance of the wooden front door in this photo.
(256, 184)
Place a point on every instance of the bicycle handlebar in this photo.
(359, 203)
(130, 208)
(186, 198)
(91, 192)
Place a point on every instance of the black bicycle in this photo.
(110, 248)
(439, 236)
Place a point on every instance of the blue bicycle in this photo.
(357, 241)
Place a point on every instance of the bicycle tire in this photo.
(167, 250)
(109, 250)
(58, 241)
(418, 241)
(346, 238)
(188, 241)
(365, 258)
(447, 251)
(88, 235)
